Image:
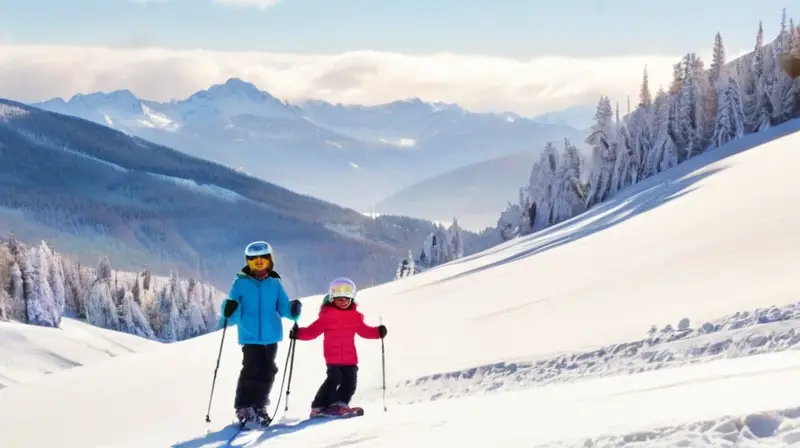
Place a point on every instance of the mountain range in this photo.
(351, 155)
(92, 191)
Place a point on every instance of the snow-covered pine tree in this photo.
(717, 60)
(6, 261)
(100, 308)
(730, 121)
(693, 120)
(21, 281)
(41, 302)
(55, 277)
(19, 308)
(167, 315)
(136, 290)
(131, 318)
(211, 306)
(400, 270)
(656, 119)
(509, 222)
(147, 278)
(411, 265)
(603, 142)
(625, 165)
(456, 241)
(569, 193)
(194, 322)
(758, 108)
(645, 97)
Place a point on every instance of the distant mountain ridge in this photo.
(92, 191)
(351, 155)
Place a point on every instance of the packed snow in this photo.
(545, 340)
(29, 351)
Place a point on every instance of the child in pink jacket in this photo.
(339, 320)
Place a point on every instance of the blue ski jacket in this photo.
(262, 303)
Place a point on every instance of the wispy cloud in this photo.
(257, 3)
(481, 83)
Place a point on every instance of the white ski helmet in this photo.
(342, 287)
(258, 248)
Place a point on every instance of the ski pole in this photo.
(214, 381)
(292, 346)
(289, 355)
(383, 369)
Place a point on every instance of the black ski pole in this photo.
(291, 369)
(383, 370)
(214, 381)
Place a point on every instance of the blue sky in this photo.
(515, 28)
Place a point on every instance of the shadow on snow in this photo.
(223, 436)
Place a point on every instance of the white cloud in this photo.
(258, 3)
(480, 83)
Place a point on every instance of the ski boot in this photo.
(252, 418)
(342, 410)
(263, 416)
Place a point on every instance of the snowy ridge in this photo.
(54, 144)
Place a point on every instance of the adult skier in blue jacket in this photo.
(255, 304)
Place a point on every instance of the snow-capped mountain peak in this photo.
(117, 98)
(234, 97)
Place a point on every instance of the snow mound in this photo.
(761, 429)
(29, 351)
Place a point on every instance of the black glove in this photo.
(294, 308)
(230, 307)
(293, 333)
(382, 331)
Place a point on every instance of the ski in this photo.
(291, 425)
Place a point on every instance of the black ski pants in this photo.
(338, 387)
(257, 375)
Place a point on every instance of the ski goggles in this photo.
(343, 288)
(258, 262)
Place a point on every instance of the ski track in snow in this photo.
(741, 334)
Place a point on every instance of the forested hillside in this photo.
(703, 108)
(39, 286)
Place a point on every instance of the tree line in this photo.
(39, 286)
(702, 109)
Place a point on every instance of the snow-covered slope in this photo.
(475, 346)
(28, 351)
